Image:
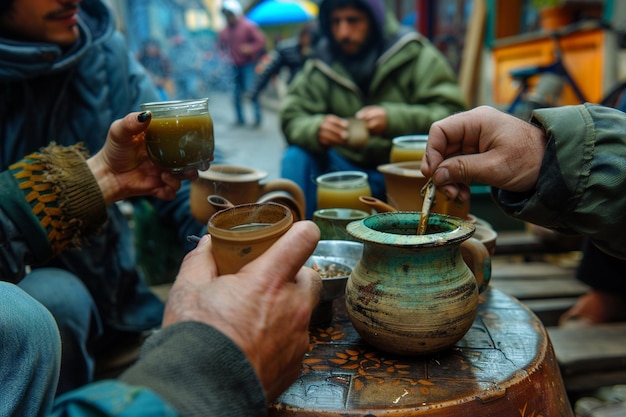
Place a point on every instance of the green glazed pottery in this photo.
(413, 294)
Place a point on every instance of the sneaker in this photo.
(595, 307)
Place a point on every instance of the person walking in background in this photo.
(243, 43)
(186, 62)
(367, 66)
(290, 54)
(157, 65)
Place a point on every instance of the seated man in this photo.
(60, 197)
(536, 176)
(366, 66)
(66, 75)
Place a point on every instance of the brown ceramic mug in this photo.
(241, 233)
(404, 182)
(242, 185)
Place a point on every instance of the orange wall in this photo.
(583, 56)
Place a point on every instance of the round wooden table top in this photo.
(503, 367)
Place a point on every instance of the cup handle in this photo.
(290, 187)
(477, 258)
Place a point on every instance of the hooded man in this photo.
(369, 67)
(66, 75)
(244, 44)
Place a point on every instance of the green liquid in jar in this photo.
(177, 143)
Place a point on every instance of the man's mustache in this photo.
(346, 42)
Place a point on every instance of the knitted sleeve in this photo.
(62, 193)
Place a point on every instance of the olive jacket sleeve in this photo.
(582, 182)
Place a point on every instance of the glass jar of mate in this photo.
(180, 134)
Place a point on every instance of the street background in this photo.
(259, 148)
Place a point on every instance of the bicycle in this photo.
(552, 78)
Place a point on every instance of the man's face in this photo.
(52, 21)
(350, 28)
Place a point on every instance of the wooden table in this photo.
(504, 366)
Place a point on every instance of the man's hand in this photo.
(122, 167)
(333, 131)
(486, 146)
(265, 308)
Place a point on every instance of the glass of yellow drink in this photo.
(408, 148)
(180, 135)
(342, 189)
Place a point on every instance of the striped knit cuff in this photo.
(62, 193)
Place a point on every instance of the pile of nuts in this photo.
(331, 270)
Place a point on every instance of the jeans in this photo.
(304, 167)
(30, 354)
(244, 82)
(186, 86)
(69, 301)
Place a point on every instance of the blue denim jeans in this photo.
(69, 301)
(245, 76)
(30, 354)
(304, 167)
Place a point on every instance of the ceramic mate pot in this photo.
(242, 185)
(413, 294)
(404, 181)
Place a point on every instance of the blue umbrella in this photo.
(280, 12)
(409, 19)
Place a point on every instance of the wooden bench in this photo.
(544, 281)
(590, 357)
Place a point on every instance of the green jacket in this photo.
(582, 183)
(413, 82)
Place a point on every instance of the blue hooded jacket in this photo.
(48, 94)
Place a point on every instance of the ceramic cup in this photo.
(358, 135)
(408, 148)
(240, 234)
(180, 134)
(404, 182)
(242, 185)
(333, 221)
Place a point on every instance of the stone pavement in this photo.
(259, 148)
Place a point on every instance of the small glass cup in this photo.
(242, 233)
(180, 135)
(342, 189)
(408, 148)
(333, 221)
